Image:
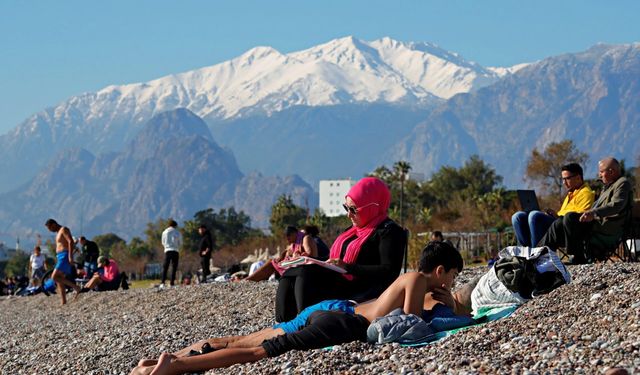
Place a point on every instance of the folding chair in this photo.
(601, 247)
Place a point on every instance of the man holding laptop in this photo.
(530, 225)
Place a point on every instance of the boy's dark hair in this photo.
(290, 230)
(202, 226)
(438, 253)
(574, 168)
(50, 222)
(173, 223)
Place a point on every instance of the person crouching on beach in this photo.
(327, 323)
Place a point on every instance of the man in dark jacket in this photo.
(206, 248)
(90, 253)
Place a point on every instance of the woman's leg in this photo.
(285, 298)
(262, 273)
(315, 284)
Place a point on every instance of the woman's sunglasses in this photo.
(354, 210)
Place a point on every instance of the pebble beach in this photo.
(591, 326)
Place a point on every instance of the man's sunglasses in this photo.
(354, 210)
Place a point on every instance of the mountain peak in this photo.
(258, 53)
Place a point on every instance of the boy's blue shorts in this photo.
(301, 320)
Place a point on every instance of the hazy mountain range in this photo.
(335, 110)
(256, 85)
(172, 168)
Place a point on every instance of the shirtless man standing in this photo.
(64, 247)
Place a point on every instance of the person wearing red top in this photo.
(108, 280)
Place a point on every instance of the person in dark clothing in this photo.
(206, 248)
(322, 248)
(90, 253)
(370, 251)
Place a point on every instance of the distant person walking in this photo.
(206, 248)
(171, 241)
(90, 254)
(37, 266)
(63, 268)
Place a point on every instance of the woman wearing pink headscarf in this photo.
(371, 252)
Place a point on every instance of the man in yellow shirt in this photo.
(531, 227)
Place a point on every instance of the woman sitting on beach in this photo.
(370, 251)
(298, 244)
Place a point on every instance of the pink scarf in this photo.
(367, 191)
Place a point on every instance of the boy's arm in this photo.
(414, 292)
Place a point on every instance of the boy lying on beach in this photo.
(325, 324)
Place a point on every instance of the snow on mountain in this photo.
(262, 81)
(501, 71)
(345, 70)
(432, 68)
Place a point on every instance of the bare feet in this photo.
(164, 364)
(142, 370)
(147, 362)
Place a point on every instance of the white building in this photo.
(332, 193)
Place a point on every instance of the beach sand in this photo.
(588, 326)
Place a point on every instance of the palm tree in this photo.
(401, 169)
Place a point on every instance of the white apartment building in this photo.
(332, 193)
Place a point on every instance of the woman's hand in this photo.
(337, 262)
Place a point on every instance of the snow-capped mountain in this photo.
(261, 81)
(345, 70)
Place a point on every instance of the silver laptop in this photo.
(528, 200)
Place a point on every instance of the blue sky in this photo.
(51, 50)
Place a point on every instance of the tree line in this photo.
(466, 198)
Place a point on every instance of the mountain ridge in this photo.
(173, 168)
(261, 81)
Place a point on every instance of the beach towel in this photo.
(484, 315)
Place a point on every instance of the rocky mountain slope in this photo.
(592, 98)
(172, 168)
(260, 82)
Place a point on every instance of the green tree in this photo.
(544, 168)
(138, 248)
(475, 178)
(284, 212)
(479, 177)
(17, 265)
(383, 173)
(228, 226)
(107, 242)
(401, 170)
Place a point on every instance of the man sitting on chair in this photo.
(530, 227)
(605, 220)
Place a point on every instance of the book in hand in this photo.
(307, 260)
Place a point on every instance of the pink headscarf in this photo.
(367, 191)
